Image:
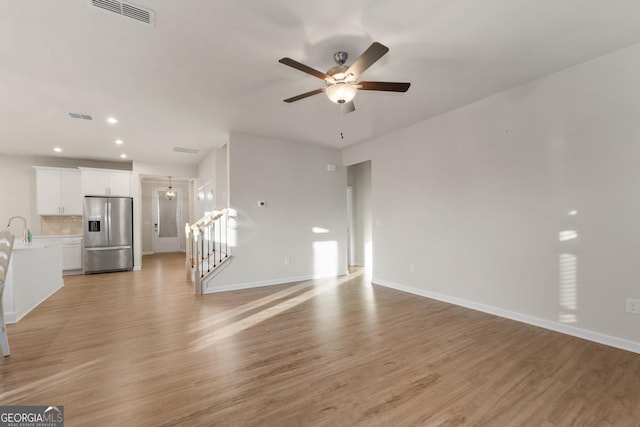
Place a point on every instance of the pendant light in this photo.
(170, 194)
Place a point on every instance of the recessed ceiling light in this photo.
(112, 120)
(123, 156)
(58, 150)
(119, 141)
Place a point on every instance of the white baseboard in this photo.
(72, 272)
(524, 318)
(137, 267)
(259, 284)
(262, 283)
(10, 317)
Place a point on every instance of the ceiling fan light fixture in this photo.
(341, 92)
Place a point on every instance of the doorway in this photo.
(351, 243)
(359, 216)
(166, 217)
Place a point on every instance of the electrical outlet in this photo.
(412, 268)
(633, 306)
(287, 260)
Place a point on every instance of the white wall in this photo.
(207, 168)
(300, 194)
(213, 175)
(222, 178)
(205, 183)
(18, 194)
(476, 199)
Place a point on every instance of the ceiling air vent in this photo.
(126, 9)
(186, 150)
(80, 116)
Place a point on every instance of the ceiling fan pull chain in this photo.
(341, 124)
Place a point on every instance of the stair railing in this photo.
(207, 243)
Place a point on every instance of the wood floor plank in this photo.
(138, 348)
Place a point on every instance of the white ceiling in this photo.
(210, 68)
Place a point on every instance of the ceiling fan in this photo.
(342, 81)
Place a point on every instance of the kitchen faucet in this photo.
(24, 231)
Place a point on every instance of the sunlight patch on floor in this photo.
(52, 382)
(318, 287)
(210, 321)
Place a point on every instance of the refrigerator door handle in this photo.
(108, 248)
(109, 221)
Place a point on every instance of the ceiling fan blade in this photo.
(384, 86)
(305, 95)
(305, 69)
(371, 55)
(347, 107)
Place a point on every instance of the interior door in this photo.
(167, 221)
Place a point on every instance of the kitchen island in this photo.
(34, 274)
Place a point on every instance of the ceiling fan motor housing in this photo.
(340, 57)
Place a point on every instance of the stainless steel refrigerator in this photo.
(108, 234)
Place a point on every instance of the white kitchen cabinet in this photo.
(71, 255)
(119, 184)
(58, 191)
(105, 182)
(34, 275)
(70, 249)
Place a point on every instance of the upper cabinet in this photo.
(106, 182)
(58, 191)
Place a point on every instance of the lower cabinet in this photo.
(71, 251)
(71, 256)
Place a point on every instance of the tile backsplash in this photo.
(61, 225)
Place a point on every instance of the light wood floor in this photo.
(139, 348)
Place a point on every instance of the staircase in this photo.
(207, 243)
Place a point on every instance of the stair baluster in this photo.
(214, 229)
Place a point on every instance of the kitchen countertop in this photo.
(40, 242)
(19, 245)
